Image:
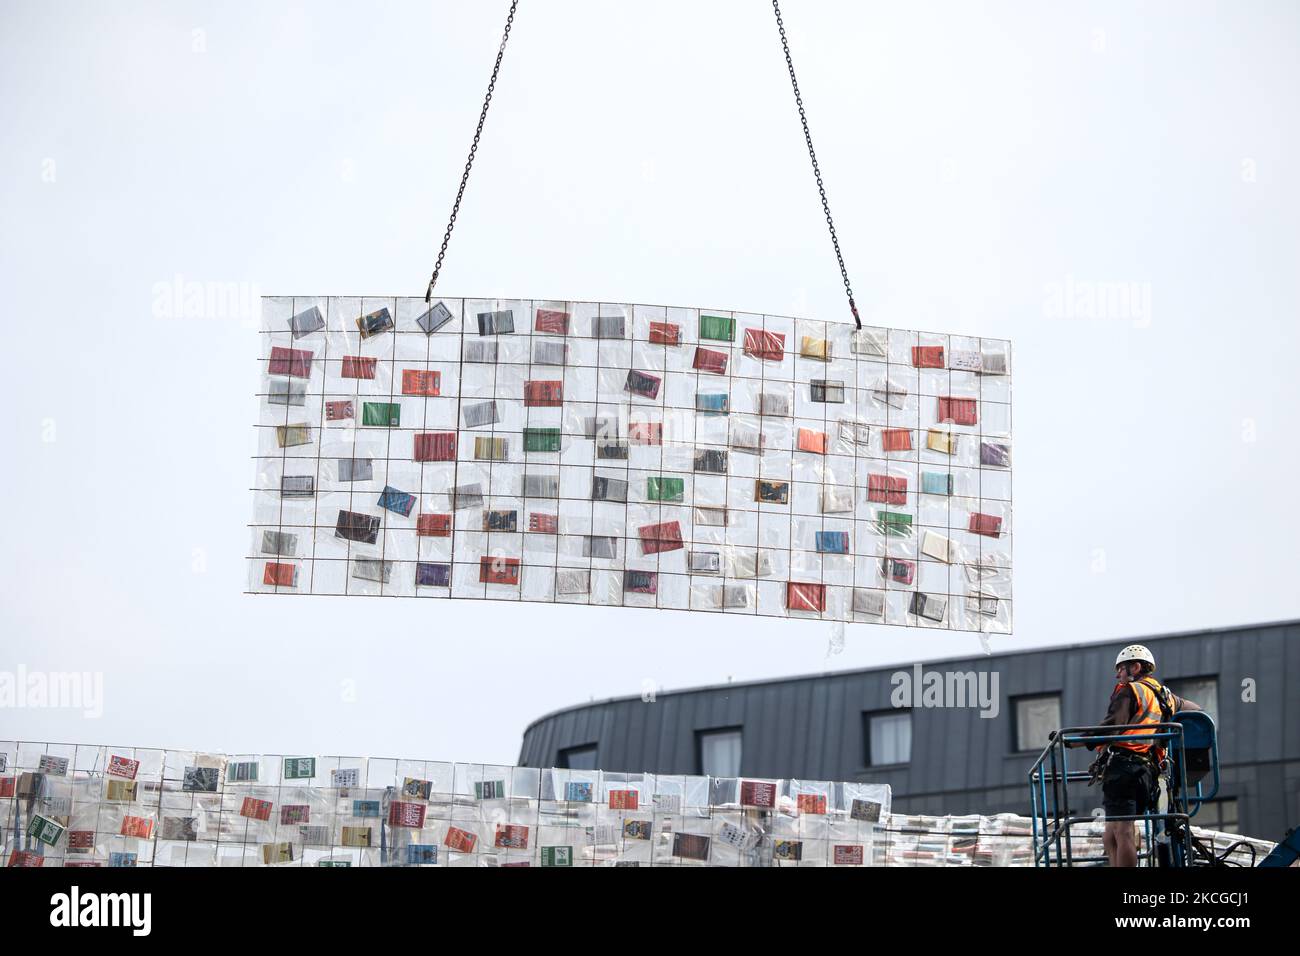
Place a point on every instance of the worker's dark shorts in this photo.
(1126, 787)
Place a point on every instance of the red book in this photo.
(418, 382)
(435, 446)
(959, 411)
(498, 570)
(292, 362)
(805, 597)
(256, 809)
(988, 525)
(551, 322)
(656, 538)
(338, 411)
(139, 827)
(896, 439)
(543, 394)
(814, 803)
(359, 366)
(665, 333)
(765, 345)
(433, 526)
(403, 814)
(623, 799)
(512, 836)
(7, 786)
(122, 767)
(848, 855)
(645, 433)
(543, 523)
(757, 793)
(709, 360)
(927, 356)
(280, 575)
(813, 441)
(462, 841)
(887, 489)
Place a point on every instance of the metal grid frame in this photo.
(762, 550)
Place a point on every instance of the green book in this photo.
(381, 414)
(541, 439)
(557, 856)
(490, 789)
(665, 489)
(299, 768)
(46, 830)
(894, 523)
(717, 328)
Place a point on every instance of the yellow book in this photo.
(941, 441)
(356, 836)
(813, 348)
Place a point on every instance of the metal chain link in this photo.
(473, 149)
(821, 189)
(803, 119)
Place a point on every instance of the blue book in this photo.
(578, 792)
(833, 542)
(421, 853)
(936, 483)
(431, 575)
(712, 403)
(399, 501)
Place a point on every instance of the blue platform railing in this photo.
(1053, 819)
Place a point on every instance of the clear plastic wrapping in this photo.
(90, 805)
(517, 449)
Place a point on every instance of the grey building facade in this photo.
(949, 759)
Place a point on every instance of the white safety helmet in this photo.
(1135, 652)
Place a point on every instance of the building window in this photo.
(1199, 690)
(1217, 814)
(1036, 717)
(719, 752)
(889, 738)
(578, 758)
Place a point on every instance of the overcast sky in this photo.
(1001, 169)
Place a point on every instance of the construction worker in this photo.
(1131, 775)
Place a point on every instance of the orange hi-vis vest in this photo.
(1148, 692)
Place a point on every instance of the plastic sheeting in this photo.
(1005, 839)
(88, 805)
(80, 805)
(645, 456)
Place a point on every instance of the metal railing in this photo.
(1053, 819)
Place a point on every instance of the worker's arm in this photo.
(1185, 704)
